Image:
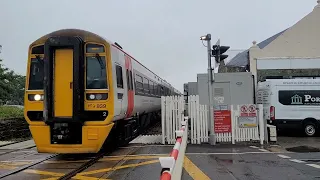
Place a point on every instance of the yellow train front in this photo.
(68, 99)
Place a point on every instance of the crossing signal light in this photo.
(217, 52)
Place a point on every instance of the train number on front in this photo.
(101, 106)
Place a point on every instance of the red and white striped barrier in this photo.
(172, 165)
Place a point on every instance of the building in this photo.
(291, 53)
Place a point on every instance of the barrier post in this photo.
(172, 165)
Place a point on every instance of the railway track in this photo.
(82, 167)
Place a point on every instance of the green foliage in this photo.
(11, 86)
(10, 112)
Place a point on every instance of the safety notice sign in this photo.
(248, 110)
(222, 121)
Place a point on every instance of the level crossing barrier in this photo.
(172, 165)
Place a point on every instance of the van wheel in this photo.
(310, 129)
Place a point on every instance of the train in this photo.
(83, 91)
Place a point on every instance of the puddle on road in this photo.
(303, 149)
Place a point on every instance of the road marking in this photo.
(236, 153)
(296, 160)
(314, 165)
(264, 150)
(160, 145)
(283, 156)
(254, 147)
(118, 167)
(193, 170)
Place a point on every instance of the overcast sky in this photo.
(161, 34)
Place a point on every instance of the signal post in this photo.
(217, 51)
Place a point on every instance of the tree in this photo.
(11, 86)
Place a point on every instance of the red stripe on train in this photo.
(130, 92)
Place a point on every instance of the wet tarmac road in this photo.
(140, 162)
(244, 163)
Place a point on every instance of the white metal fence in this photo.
(172, 114)
(198, 115)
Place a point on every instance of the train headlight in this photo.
(37, 97)
(92, 96)
(97, 96)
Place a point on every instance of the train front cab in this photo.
(68, 99)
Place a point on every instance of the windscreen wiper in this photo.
(39, 60)
(100, 61)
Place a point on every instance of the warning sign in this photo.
(248, 110)
(222, 121)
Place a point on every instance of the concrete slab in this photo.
(20, 145)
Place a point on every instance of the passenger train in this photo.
(83, 90)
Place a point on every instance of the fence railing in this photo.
(172, 165)
(199, 120)
(230, 124)
(172, 112)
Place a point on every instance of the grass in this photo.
(7, 112)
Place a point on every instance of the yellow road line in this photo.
(34, 171)
(118, 167)
(193, 170)
(79, 177)
(4, 166)
(111, 158)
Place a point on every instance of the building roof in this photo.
(241, 59)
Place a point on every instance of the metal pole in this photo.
(212, 138)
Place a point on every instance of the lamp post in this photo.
(212, 137)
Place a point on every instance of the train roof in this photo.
(89, 36)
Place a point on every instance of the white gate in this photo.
(199, 132)
(198, 115)
(172, 110)
(172, 113)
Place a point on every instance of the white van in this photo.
(291, 103)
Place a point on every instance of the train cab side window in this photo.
(119, 76)
(36, 75)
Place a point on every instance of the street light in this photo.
(212, 138)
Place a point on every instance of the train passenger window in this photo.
(131, 81)
(146, 85)
(36, 75)
(139, 83)
(119, 76)
(151, 88)
(96, 73)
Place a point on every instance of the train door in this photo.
(63, 81)
(120, 90)
(128, 66)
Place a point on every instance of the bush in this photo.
(8, 112)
